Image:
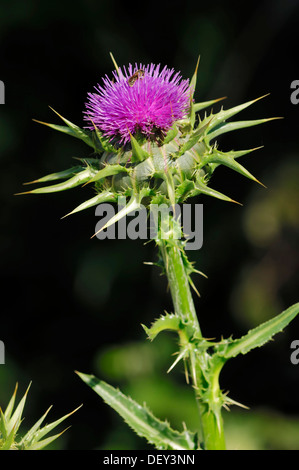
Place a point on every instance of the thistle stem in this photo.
(179, 283)
(173, 257)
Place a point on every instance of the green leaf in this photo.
(232, 126)
(3, 430)
(232, 154)
(140, 419)
(132, 205)
(194, 137)
(105, 196)
(30, 434)
(171, 134)
(165, 322)
(183, 190)
(259, 335)
(193, 87)
(103, 142)
(109, 170)
(65, 129)
(138, 154)
(222, 159)
(206, 104)
(32, 440)
(60, 175)
(72, 130)
(194, 78)
(44, 442)
(9, 440)
(14, 422)
(9, 427)
(223, 115)
(201, 188)
(11, 404)
(76, 180)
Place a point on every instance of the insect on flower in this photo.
(137, 75)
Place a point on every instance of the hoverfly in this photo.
(137, 75)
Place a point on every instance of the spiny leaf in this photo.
(3, 430)
(259, 335)
(9, 427)
(30, 434)
(7, 445)
(183, 190)
(35, 435)
(105, 196)
(194, 78)
(109, 170)
(193, 87)
(78, 132)
(10, 406)
(138, 154)
(140, 419)
(223, 159)
(194, 137)
(223, 115)
(60, 175)
(232, 154)
(201, 188)
(171, 134)
(232, 126)
(57, 127)
(45, 442)
(165, 322)
(132, 205)
(103, 143)
(76, 180)
(71, 129)
(241, 153)
(206, 104)
(15, 421)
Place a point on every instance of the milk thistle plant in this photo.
(150, 143)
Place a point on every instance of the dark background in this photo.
(71, 303)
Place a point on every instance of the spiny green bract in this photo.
(34, 439)
(168, 169)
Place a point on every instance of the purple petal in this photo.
(151, 104)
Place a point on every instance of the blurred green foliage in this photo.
(69, 302)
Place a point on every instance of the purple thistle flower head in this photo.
(141, 99)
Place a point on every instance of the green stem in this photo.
(179, 283)
(210, 413)
(174, 263)
(213, 431)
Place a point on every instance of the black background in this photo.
(66, 297)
